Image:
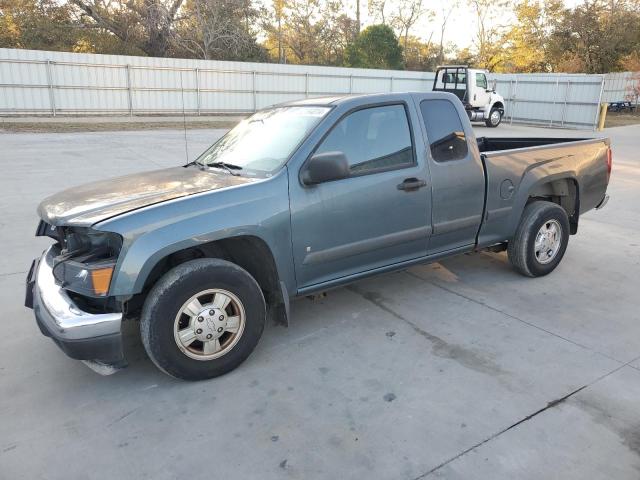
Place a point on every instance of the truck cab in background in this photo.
(471, 86)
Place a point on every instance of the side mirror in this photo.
(494, 83)
(324, 167)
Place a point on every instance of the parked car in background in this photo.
(297, 199)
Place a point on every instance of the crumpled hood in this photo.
(97, 201)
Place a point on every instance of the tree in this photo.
(446, 9)
(377, 10)
(527, 40)
(54, 25)
(595, 37)
(146, 24)
(420, 56)
(311, 32)
(38, 24)
(489, 39)
(217, 29)
(376, 47)
(278, 10)
(406, 15)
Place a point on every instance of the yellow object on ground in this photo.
(603, 115)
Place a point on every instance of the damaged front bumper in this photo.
(93, 337)
(603, 202)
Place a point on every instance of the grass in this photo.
(621, 119)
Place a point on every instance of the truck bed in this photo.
(495, 144)
(519, 168)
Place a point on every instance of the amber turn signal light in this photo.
(101, 278)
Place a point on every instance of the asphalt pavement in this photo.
(461, 369)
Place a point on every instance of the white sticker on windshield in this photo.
(316, 112)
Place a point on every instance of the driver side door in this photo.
(368, 220)
(480, 95)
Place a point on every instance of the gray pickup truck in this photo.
(297, 199)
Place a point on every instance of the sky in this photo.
(461, 26)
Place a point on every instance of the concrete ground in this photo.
(460, 369)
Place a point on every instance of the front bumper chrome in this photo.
(603, 202)
(81, 335)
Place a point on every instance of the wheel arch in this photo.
(248, 251)
(563, 191)
(499, 105)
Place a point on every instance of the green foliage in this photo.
(38, 24)
(310, 32)
(595, 37)
(375, 47)
(528, 40)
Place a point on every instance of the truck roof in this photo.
(339, 99)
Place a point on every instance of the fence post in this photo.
(52, 95)
(129, 95)
(391, 85)
(197, 72)
(514, 101)
(350, 83)
(253, 88)
(601, 110)
(306, 85)
(564, 107)
(553, 106)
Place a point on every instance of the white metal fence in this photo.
(60, 83)
(618, 85)
(553, 100)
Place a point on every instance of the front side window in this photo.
(444, 130)
(263, 142)
(481, 80)
(372, 139)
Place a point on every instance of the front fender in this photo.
(259, 209)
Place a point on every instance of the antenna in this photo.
(184, 120)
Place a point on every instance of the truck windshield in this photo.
(264, 141)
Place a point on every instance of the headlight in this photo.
(86, 261)
(92, 279)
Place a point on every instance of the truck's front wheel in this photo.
(540, 240)
(202, 319)
(495, 117)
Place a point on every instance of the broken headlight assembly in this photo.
(86, 260)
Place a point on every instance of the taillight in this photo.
(609, 163)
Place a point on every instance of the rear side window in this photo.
(444, 130)
(373, 139)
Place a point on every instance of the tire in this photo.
(539, 217)
(491, 121)
(162, 329)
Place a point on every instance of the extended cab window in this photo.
(444, 130)
(376, 138)
(481, 80)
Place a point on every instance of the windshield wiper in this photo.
(229, 167)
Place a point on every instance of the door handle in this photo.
(411, 184)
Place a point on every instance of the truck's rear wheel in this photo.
(495, 117)
(540, 240)
(202, 319)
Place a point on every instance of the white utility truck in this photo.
(470, 85)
